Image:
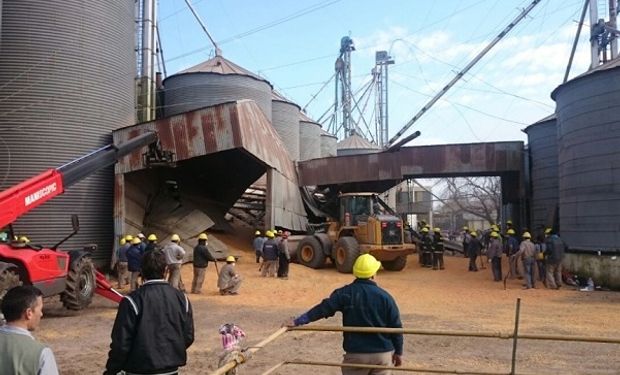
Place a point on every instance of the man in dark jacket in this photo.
(154, 325)
(202, 256)
(270, 255)
(473, 249)
(555, 248)
(362, 304)
(437, 249)
(134, 262)
(427, 249)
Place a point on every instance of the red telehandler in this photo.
(70, 274)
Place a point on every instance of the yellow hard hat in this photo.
(152, 237)
(123, 241)
(230, 258)
(548, 230)
(494, 228)
(175, 238)
(24, 239)
(366, 266)
(427, 226)
(202, 236)
(129, 238)
(269, 234)
(526, 235)
(473, 233)
(510, 231)
(425, 230)
(508, 221)
(437, 230)
(465, 227)
(257, 233)
(494, 234)
(135, 241)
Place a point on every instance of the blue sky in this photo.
(294, 44)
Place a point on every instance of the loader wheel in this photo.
(397, 264)
(80, 285)
(310, 252)
(347, 251)
(8, 280)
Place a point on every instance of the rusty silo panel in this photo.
(543, 147)
(189, 91)
(328, 144)
(589, 151)
(67, 76)
(285, 120)
(309, 140)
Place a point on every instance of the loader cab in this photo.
(358, 207)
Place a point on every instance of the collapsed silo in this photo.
(328, 144)
(543, 157)
(355, 145)
(309, 138)
(66, 84)
(589, 177)
(213, 82)
(285, 120)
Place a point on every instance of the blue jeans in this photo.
(528, 265)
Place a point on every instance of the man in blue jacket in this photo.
(363, 304)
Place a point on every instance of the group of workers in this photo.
(432, 248)
(132, 249)
(527, 257)
(273, 249)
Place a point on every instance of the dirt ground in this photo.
(453, 299)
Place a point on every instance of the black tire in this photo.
(397, 264)
(80, 286)
(346, 252)
(8, 279)
(310, 253)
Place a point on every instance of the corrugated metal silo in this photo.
(543, 147)
(67, 76)
(328, 144)
(355, 145)
(213, 82)
(589, 150)
(309, 138)
(285, 119)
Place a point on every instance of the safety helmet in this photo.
(24, 239)
(425, 230)
(427, 226)
(141, 236)
(202, 236)
(494, 228)
(437, 230)
(510, 231)
(366, 266)
(135, 241)
(230, 258)
(257, 233)
(152, 237)
(269, 234)
(129, 238)
(123, 241)
(175, 238)
(509, 222)
(548, 230)
(465, 227)
(494, 234)
(526, 235)
(473, 233)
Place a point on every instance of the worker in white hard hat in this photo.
(527, 254)
(174, 259)
(202, 256)
(362, 304)
(229, 280)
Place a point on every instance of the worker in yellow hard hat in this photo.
(174, 259)
(426, 253)
(494, 253)
(511, 248)
(122, 270)
(202, 257)
(473, 250)
(228, 280)
(257, 244)
(362, 304)
(466, 238)
(270, 255)
(134, 262)
(437, 249)
(151, 243)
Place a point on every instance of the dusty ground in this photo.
(453, 299)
